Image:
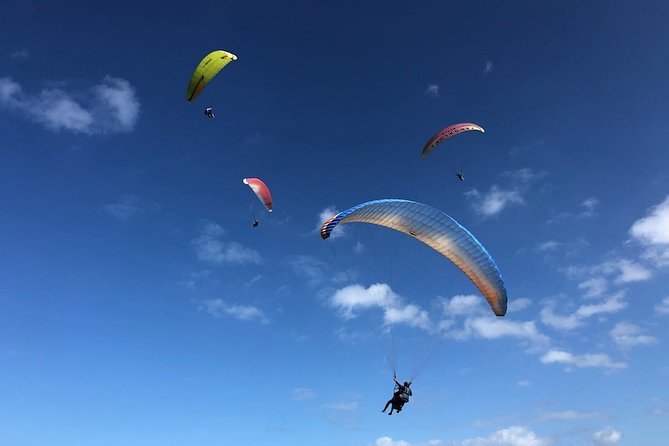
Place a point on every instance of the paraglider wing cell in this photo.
(437, 230)
(206, 70)
(261, 190)
(448, 132)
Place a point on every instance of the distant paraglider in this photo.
(209, 112)
(460, 175)
(437, 230)
(262, 192)
(448, 132)
(206, 70)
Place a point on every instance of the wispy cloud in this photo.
(571, 361)
(432, 91)
(607, 436)
(663, 307)
(568, 415)
(125, 207)
(593, 287)
(313, 270)
(210, 247)
(548, 245)
(220, 308)
(303, 393)
(587, 208)
(22, 54)
(353, 405)
(488, 67)
(108, 107)
(623, 271)
(571, 321)
(497, 198)
(628, 335)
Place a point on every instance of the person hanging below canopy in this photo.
(400, 397)
(209, 112)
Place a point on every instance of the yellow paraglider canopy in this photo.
(206, 70)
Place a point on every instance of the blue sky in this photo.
(138, 307)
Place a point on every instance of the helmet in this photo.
(407, 383)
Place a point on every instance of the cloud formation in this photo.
(110, 106)
(488, 67)
(628, 335)
(652, 231)
(497, 198)
(353, 298)
(571, 321)
(588, 360)
(126, 207)
(220, 308)
(607, 435)
(210, 248)
(432, 91)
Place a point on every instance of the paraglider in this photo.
(400, 397)
(206, 70)
(262, 192)
(448, 132)
(460, 175)
(209, 112)
(437, 230)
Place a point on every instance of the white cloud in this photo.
(511, 436)
(571, 321)
(653, 229)
(593, 287)
(219, 308)
(341, 406)
(549, 318)
(568, 415)
(497, 199)
(607, 436)
(632, 272)
(519, 304)
(488, 328)
(589, 205)
(21, 54)
(210, 247)
(549, 245)
(488, 67)
(663, 306)
(352, 298)
(108, 107)
(627, 335)
(411, 315)
(303, 393)
(310, 268)
(432, 91)
(624, 270)
(126, 207)
(612, 305)
(461, 305)
(594, 360)
(494, 201)
(388, 441)
(524, 383)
